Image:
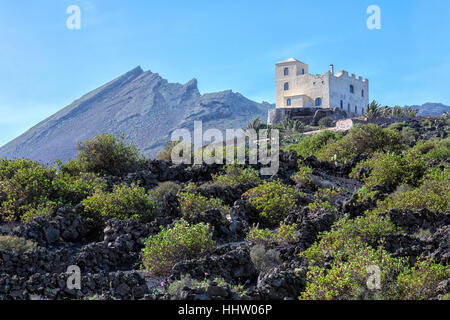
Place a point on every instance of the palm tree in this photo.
(408, 111)
(256, 124)
(386, 112)
(292, 125)
(397, 111)
(373, 110)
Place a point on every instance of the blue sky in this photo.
(224, 44)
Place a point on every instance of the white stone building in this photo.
(297, 88)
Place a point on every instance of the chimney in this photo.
(331, 69)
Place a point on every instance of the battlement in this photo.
(344, 73)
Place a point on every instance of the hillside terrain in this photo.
(432, 109)
(342, 207)
(142, 105)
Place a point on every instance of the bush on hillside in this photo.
(312, 145)
(109, 155)
(235, 175)
(391, 170)
(29, 189)
(365, 230)
(346, 279)
(162, 189)
(24, 185)
(420, 281)
(16, 244)
(324, 199)
(433, 149)
(362, 140)
(304, 176)
(123, 203)
(274, 200)
(192, 202)
(173, 244)
(325, 122)
(284, 234)
(344, 259)
(72, 189)
(409, 135)
(433, 194)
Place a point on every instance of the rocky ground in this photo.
(109, 255)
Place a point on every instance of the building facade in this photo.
(297, 88)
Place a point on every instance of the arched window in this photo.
(352, 89)
(362, 93)
(348, 107)
(286, 86)
(288, 102)
(318, 102)
(356, 109)
(286, 71)
(342, 104)
(303, 71)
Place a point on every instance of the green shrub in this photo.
(235, 175)
(29, 189)
(427, 123)
(274, 200)
(432, 194)
(16, 244)
(346, 279)
(24, 185)
(350, 249)
(264, 259)
(284, 234)
(107, 154)
(324, 199)
(164, 188)
(171, 245)
(43, 209)
(409, 135)
(325, 122)
(433, 149)
(260, 236)
(166, 153)
(420, 281)
(176, 287)
(191, 202)
(398, 125)
(304, 176)
(320, 204)
(123, 203)
(312, 145)
(391, 170)
(340, 264)
(71, 167)
(72, 189)
(362, 140)
(367, 229)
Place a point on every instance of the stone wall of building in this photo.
(354, 102)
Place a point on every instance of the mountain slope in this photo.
(142, 105)
(432, 109)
